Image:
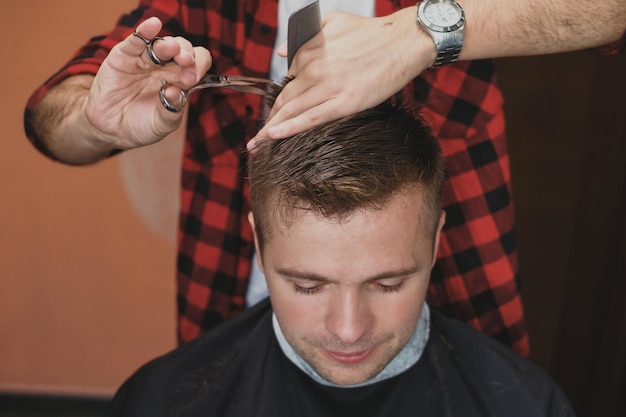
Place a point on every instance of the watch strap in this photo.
(448, 40)
(448, 48)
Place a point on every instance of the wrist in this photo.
(76, 141)
(59, 123)
(418, 52)
(88, 133)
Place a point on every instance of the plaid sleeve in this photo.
(215, 238)
(475, 278)
(89, 57)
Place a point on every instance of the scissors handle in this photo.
(233, 82)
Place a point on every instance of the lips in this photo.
(351, 357)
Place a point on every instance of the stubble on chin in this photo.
(313, 351)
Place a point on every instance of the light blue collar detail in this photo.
(408, 356)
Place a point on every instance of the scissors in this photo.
(303, 25)
(240, 83)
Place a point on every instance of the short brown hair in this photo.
(357, 162)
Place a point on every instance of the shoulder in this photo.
(164, 385)
(493, 373)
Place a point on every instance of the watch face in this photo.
(443, 15)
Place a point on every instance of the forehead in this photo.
(364, 243)
(409, 204)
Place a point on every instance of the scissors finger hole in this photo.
(174, 108)
(138, 34)
(153, 57)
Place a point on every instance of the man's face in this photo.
(348, 295)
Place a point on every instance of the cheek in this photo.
(399, 315)
(404, 311)
(293, 310)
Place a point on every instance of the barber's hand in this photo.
(123, 103)
(354, 63)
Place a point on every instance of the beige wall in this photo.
(86, 254)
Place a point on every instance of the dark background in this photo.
(566, 124)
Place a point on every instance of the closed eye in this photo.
(389, 288)
(307, 285)
(310, 283)
(306, 290)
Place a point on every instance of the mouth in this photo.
(350, 358)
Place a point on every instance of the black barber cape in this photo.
(238, 369)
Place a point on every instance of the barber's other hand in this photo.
(123, 105)
(354, 63)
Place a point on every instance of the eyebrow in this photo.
(310, 276)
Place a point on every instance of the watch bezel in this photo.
(437, 28)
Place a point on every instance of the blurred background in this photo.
(87, 255)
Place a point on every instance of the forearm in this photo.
(61, 126)
(499, 28)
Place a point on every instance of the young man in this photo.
(346, 221)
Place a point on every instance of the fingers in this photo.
(144, 32)
(138, 66)
(175, 49)
(293, 101)
(322, 113)
(166, 49)
(287, 126)
(340, 72)
(306, 110)
(137, 44)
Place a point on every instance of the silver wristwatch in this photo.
(443, 20)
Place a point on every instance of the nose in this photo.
(348, 317)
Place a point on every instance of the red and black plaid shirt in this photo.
(475, 278)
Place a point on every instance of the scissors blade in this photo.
(243, 80)
(248, 89)
(246, 84)
(251, 85)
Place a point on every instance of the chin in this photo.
(348, 376)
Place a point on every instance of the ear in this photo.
(442, 221)
(259, 258)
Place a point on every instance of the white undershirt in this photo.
(257, 289)
(278, 68)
